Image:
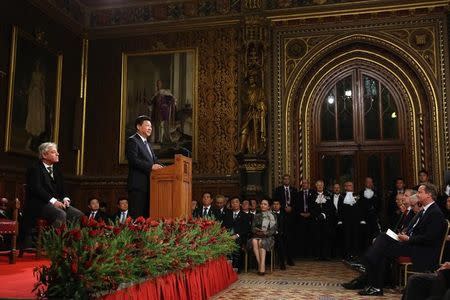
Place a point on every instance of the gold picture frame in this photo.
(162, 85)
(34, 93)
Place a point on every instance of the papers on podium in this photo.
(392, 234)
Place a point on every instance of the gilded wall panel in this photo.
(417, 42)
(421, 40)
(218, 102)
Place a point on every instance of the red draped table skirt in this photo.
(200, 282)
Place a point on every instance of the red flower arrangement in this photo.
(94, 257)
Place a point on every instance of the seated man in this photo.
(94, 210)
(45, 195)
(422, 242)
(409, 207)
(219, 205)
(4, 213)
(237, 223)
(206, 210)
(123, 213)
(429, 286)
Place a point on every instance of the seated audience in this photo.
(219, 205)
(322, 212)
(245, 207)
(392, 207)
(281, 239)
(435, 286)
(409, 208)
(253, 206)
(45, 195)
(422, 243)
(122, 212)
(206, 210)
(103, 207)
(194, 205)
(95, 212)
(238, 224)
(263, 228)
(4, 213)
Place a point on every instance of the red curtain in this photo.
(198, 283)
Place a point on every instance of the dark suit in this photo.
(337, 231)
(289, 219)
(304, 226)
(323, 215)
(423, 246)
(40, 188)
(212, 213)
(117, 216)
(241, 226)
(404, 221)
(281, 238)
(140, 163)
(428, 286)
(280, 194)
(221, 214)
(99, 215)
(4, 215)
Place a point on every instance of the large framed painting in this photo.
(34, 93)
(163, 86)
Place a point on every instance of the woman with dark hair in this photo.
(263, 228)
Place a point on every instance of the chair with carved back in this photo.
(9, 230)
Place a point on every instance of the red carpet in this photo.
(17, 281)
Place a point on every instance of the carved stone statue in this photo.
(253, 133)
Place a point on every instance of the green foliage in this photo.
(93, 257)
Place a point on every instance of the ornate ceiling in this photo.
(107, 17)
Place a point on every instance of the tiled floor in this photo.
(306, 280)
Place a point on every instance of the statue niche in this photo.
(253, 135)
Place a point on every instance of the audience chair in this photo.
(11, 228)
(405, 263)
(40, 226)
(246, 256)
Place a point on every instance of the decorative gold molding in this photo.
(346, 9)
(83, 98)
(416, 62)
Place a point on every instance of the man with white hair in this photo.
(45, 195)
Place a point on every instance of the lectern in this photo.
(171, 189)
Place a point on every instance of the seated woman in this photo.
(263, 228)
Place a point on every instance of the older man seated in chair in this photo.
(45, 194)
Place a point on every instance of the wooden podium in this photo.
(171, 189)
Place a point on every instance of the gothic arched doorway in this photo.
(377, 123)
(360, 129)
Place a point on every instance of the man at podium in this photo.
(141, 161)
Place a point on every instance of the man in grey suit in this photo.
(141, 161)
